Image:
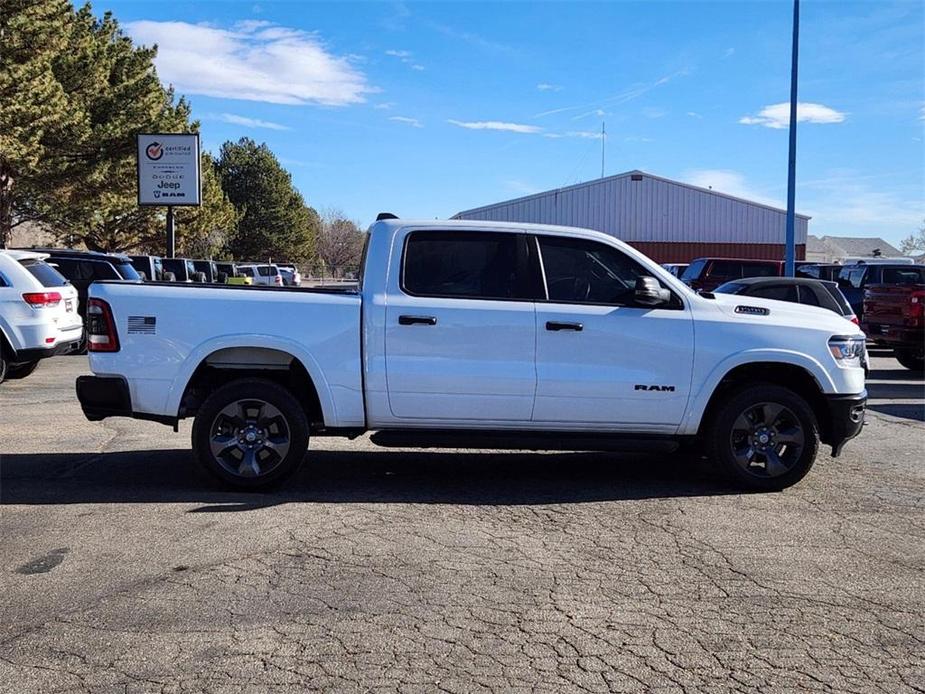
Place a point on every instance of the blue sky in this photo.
(426, 109)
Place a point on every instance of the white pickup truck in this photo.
(486, 335)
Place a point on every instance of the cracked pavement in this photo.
(125, 570)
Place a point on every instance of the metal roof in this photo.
(627, 174)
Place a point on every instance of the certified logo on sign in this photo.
(154, 151)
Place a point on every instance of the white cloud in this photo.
(654, 112)
(521, 187)
(406, 57)
(546, 87)
(254, 61)
(729, 52)
(497, 125)
(413, 122)
(250, 122)
(384, 106)
(777, 116)
(728, 182)
(694, 114)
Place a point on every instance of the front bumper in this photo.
(845, 419)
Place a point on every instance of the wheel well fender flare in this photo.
(701, 396)
(203, 351)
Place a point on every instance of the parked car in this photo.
(894, 313)
(482, 335)
(82, 268)
(183, 270)
(706, 274)
(820, 271)
(797, 290)
(149, 267)
(853, 280)
(231, 274)
(209, 270)
(676, 269)
(38, 313)
(291, 275)
(263, 275)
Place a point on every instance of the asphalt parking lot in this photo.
(125, 570)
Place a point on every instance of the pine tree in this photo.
(274, 220)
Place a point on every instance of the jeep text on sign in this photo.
(168, 169)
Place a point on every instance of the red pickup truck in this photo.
(894, 314)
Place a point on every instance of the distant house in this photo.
(834, 249)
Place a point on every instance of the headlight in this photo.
(848, 350)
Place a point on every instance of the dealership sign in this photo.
(168, 170)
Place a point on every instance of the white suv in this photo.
(264, 275)
(38, 313)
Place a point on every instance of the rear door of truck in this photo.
(460, 331)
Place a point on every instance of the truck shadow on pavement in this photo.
(466, 478)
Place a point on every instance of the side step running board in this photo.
(523, 440)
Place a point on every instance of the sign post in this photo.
(169, 175)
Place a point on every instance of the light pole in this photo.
(790, 241)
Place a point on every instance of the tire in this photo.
(259, 430)
(745, 437)
(911, 359)
(169, 277)
(199, 277)
(17, 371)
(4, 364)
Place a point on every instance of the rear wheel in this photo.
(914, 360)
(764, 437)
(16, 371)
(251, 434)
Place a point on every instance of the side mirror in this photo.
(650, 293)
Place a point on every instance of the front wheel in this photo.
(251, 434)
(911, 359)
(764, 437)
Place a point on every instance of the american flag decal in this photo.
(142, 325)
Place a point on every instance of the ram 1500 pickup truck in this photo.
(486, 335)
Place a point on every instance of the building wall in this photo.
(676, 222)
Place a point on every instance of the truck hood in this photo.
(751, 309)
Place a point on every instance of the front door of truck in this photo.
(601, 359)
(460, 332)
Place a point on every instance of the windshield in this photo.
(693, 270)
(127, 271)
(729, 288)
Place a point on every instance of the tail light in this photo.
(42, 299)
(916, 307)
(854, 319)
(101, 328)
(278, 279)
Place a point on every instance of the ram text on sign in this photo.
(168, 169)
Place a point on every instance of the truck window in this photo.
(730, 269)
(588, 272)
(856, 278)
(464, 265)
(910, 275)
